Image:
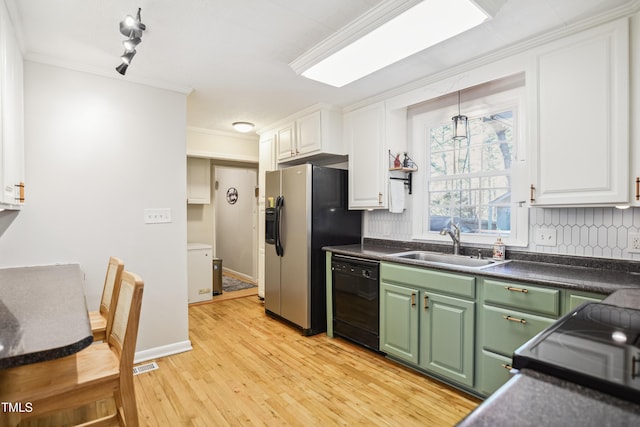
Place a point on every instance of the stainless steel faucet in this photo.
(455, 236)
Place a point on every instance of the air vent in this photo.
(141, 369)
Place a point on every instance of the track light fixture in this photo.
(132, 28)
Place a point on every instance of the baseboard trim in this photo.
(162, 351)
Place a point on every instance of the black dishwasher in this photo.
(356, 301)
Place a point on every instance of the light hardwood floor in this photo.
(247, 369)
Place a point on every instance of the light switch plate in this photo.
(157, 215)
(545, 237)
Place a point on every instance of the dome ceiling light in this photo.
(243, 127)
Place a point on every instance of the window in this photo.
(472, 182)
(470, 179)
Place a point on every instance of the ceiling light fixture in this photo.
(460, 124)
(132, 28)
(388, 33)
(243, 127)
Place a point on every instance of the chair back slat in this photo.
(114, 273)
(123, 335)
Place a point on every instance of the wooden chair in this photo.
(100, 319)
(95, 373)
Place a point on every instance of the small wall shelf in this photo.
(408, 180)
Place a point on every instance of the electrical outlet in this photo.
(545, 237)
(633, 243)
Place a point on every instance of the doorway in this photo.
(236, 220)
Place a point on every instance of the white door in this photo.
(235, 219)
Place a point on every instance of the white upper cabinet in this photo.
(286, 142)
(370, 132)
(198, 181)
(315, 132)
(11, 117)
(309, 133)
(364, 135)
(580, 133)
(635, 110)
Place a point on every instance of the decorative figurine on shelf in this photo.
(396, 162)
(405, 162)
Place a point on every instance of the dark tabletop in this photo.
(43, 314)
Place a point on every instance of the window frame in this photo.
(481, 100)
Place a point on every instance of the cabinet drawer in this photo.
(574, 299)
(495, 371)
(522, 296)
(504, 330)
(452, 284)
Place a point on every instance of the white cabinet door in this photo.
(267, 163)
(198, 181)
(200, 272)
(286, 142)
(582, 117)
(634, 92)
(11, 117)
(309, 133)
(364, 134)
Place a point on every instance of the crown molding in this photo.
(110, 73)
(251, 137)
(357, 28)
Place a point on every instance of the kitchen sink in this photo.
(449, 259)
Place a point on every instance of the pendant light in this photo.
(460, 124)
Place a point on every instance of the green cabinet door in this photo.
(447, 336)
(399, 321)
(493, 371)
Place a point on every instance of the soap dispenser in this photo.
(498, 250)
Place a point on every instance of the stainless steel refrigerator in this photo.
(306, 209)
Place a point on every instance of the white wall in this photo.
(98, 151)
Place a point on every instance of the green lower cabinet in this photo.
(399, 331)
(493, 371)
(428, 319)
(447, 337)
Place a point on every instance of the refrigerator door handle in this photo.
(279, 205)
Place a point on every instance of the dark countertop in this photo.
(534, 399)
(43, 314)
(604, 278)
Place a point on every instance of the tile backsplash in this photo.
(592, 232)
